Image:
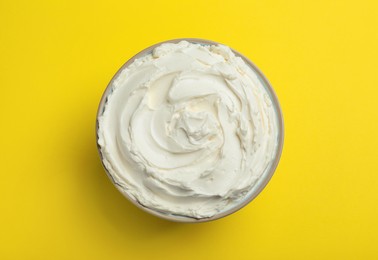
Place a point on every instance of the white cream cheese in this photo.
(188, 130)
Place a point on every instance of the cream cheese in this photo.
(188, 130)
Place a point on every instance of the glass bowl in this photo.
(263, 180)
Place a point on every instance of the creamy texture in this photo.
(188, 130)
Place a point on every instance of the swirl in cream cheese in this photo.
(188, 130)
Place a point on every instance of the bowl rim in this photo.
(261, 183)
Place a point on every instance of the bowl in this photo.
(263, 180)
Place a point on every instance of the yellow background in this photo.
(56, 58)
